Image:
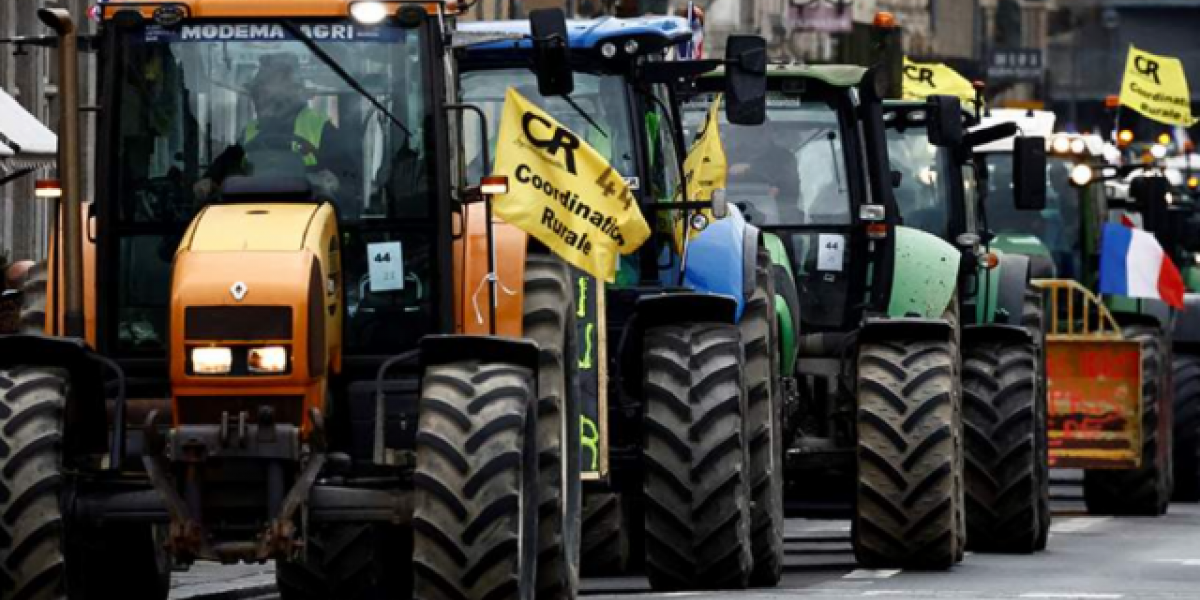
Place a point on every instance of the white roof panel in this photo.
(30, 137)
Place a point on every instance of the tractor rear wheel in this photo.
(351, 562)
(907, 512)
(34, 550)
(1144, 491)
(1187, 428)
(1033, 318)
(696, 494)
(33, 300)
(550, 321)
(763, 418)
(475, 486)
(1000, 404)
(604, 547)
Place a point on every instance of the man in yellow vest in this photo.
(285, 138)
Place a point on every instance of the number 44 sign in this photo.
(385, 266)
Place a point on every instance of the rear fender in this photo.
(925, 275)
(787, 310)
(85, 418)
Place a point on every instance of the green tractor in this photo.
(940, 192)
(1169, 210)
(873, 405)
(1117, 429)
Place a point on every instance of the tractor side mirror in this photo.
(944, 116)
(551, 52)
(1149, 195)
(720, 204)
(1029, 172)
(746, 80)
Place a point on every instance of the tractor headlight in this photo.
(369, 13)
(269, 359)
(1081, 175)
(212, 361)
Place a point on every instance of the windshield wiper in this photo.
(583, 113)
(341, 72)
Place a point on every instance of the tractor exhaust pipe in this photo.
(69, 167)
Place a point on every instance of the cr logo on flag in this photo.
(1147, 67)
(561, 139)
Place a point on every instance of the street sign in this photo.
(1016, 64)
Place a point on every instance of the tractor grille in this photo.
(206, 410)
(238, 323)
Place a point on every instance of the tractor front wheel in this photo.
(697, 498)
(476, 483)
(909, 492)
(1000, 404)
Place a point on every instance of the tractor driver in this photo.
(763, 156)
(287, 137)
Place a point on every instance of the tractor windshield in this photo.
(923, 196)
(790, 171)
(196, 105)
(1058, 231)
(602, 118)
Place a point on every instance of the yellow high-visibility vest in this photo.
(309, 126)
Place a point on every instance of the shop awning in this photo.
(24, 141)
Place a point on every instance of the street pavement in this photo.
(1089, 558)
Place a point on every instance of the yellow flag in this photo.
(922, 80)
(562, 192)
(1156, 87)
(705, 168)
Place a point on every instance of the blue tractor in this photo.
(677, 380)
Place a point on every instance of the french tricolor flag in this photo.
(1133, 264)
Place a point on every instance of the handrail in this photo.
(1093, 319)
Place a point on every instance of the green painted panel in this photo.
(925, 274)
(1020, 243)
(778, 252)
(1191, 278)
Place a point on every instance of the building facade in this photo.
(29, 74)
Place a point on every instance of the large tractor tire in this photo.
(1000, 408)
(764, 420)
(909, 490)
(696, 492)
(1144, 491)
(34, 550)
(348, 562)
(476, 511)
(550, 321)
(1033, 318)
(33, 300)
(604, 547)
(1187, 428)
